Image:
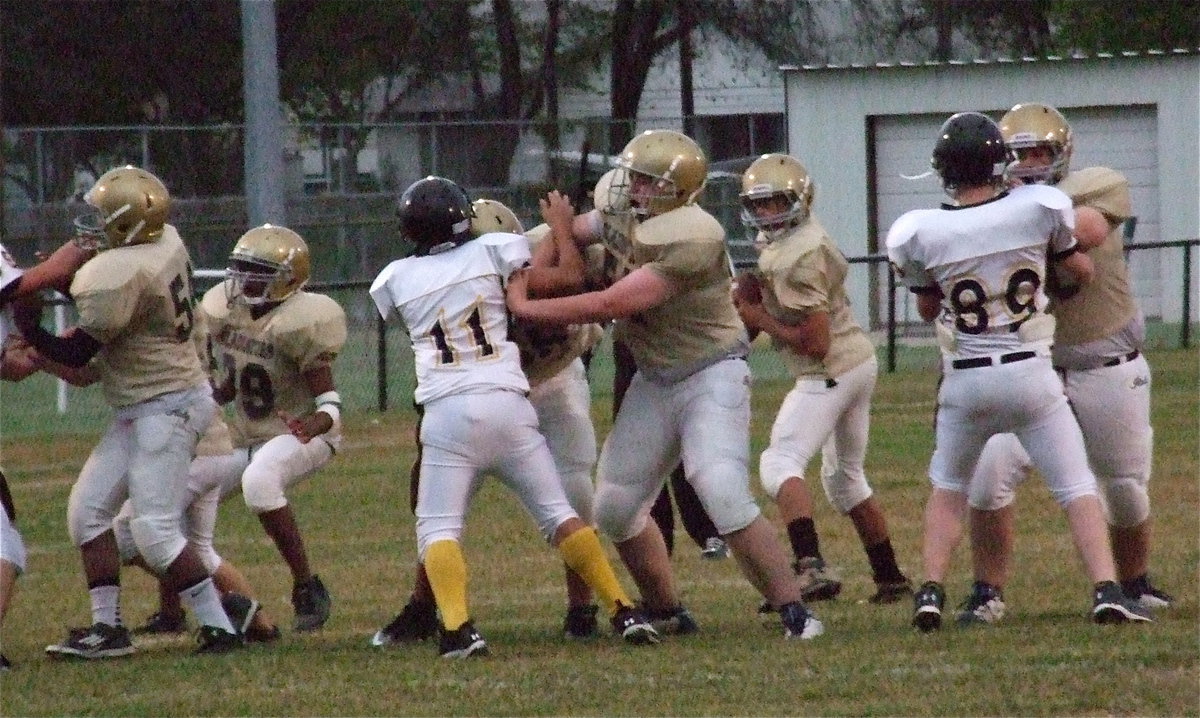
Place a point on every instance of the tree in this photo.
(74, 62)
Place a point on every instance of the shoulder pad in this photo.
(499, 238)
(1092, 181)
(1045, 195)
(687, 223)
(538, 234)
(905, 227)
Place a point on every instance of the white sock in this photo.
(106, 604)
(205, 602)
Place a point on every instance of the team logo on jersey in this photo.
(231, 338)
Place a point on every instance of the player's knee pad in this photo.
(1064, 495)
(776, 467)
(432, 529)
(577, 485)
(845, 492)
(12, 546)
(158, 539)
(125, 543)
(84, 525)
(262, 489)
(1003, 465)
(1126, 500)
(619, 516)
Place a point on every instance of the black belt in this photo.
(1117, 361)
(976, 362)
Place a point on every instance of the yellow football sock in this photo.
(584, 554)
(447, 571)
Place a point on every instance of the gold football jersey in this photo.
(1105, 304)
(547, 349)
(806, 272)
(267, 357)
(699, 323)
(137, 302)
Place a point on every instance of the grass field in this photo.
(1045, 658)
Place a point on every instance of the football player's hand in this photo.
(557, 211)
(27, 313)
(308, 426)
(747, 289)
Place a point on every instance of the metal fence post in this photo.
(891, 324)
(1185, 332)
(381, 372)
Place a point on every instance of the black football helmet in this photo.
(435, 215)
(969, 151)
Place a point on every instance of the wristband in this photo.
(330, 403)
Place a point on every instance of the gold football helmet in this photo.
(1033, 124)
(268, 264)
(129, 206)
(664, 169)
(493, 216)
(777, 193)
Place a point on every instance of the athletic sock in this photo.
(205, 602)
(803, 535)
(584, 554)
(447, 571)
(883, 562)
(106, 603)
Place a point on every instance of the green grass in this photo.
(1045, 658)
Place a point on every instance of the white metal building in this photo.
(861, 129)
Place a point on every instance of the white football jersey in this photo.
(988, 259)
(9, 273)
(453, 306)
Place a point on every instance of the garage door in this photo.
(1123, 138)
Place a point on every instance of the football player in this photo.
(987, 300)
(668, 288)
(136, 317)
(1099, 340)
(475, 416)
(559, 392)
(274, 345)
(18, 360)
(213, 475)
(798, 297)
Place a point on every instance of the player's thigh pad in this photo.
(102, 487)
(1112, 405)
(974, 404)
(713, 406)
(1055, 446)
(1002, 466)
(844, 453)
(640, 451)
(279, 464)
(563, 406)
(158, 476)
(12, 548)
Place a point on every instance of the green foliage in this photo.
(1044, 659)
(1126, 25)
